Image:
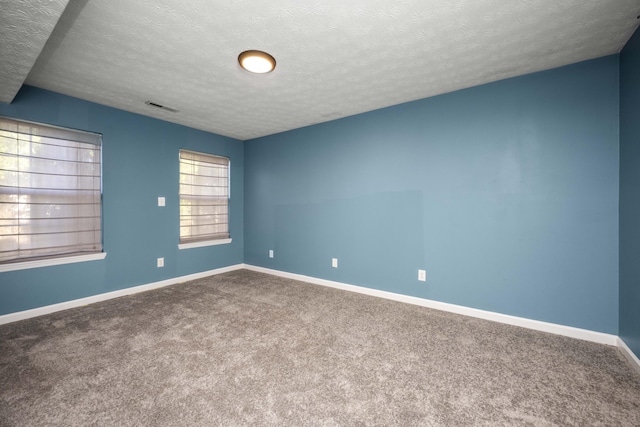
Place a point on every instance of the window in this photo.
(204, 199)
(50, 195)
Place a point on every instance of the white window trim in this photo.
(204, 243)
(209, 240)
(24, 265)
(24, 127)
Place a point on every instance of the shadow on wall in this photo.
(377, 238)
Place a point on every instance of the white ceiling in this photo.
(25, 26)
(335, 58)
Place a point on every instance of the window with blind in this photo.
(50, 194)
(204, 198)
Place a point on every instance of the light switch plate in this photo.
(161, 201)
(160, 262)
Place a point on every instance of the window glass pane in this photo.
(204, 197)
(50, 193)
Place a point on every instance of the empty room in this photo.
(320, 213)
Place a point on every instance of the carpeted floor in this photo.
(245, 348)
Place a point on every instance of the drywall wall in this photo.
(506, 194)
(630, 194)
(140, 163)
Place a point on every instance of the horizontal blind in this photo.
(50, 198)
(204, 197)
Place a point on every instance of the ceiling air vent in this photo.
(162, 107)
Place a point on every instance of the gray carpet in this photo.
(245, 348)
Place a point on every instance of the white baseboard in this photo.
(553, 328)
(626, 351)
(569, 331)
(26, 314)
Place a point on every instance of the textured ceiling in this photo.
(25, 27)
(335, 58)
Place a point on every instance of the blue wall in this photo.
(506, 193)
(630, 194)
(140, 163)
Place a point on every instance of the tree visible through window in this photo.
(50, 191)
(204, 197)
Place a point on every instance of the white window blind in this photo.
(50, 198)
(204, 197)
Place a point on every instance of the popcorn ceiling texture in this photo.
(25, 26)
(335, 58)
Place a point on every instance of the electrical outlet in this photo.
(422, 275)
(161, 201)
(270, 253)
(160, 262)
(334, 262)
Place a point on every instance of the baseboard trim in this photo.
(569, 331)
(631, 357)
(40, 311)
(553, 328)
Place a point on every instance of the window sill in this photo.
(204, 243)
(24, 265)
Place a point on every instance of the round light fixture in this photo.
(257, 61)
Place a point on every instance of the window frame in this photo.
(10, 124)
(206, 241)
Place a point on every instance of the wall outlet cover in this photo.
(161, 201)
(422, 275)
(334, 262)
(160, 262)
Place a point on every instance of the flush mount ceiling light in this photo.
(256, 61)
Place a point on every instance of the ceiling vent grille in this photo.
(162, 107)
